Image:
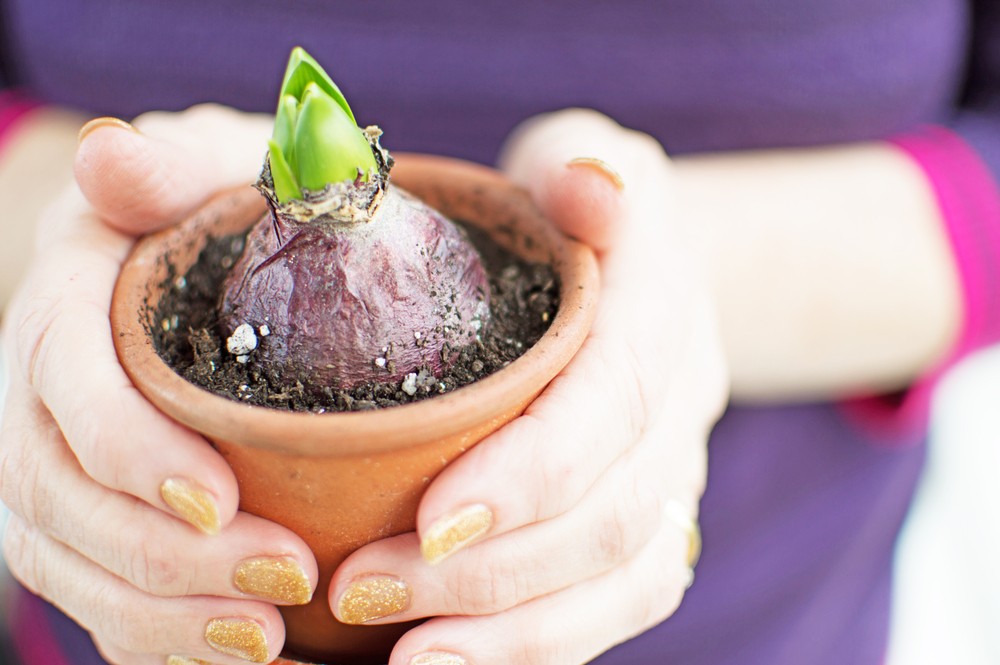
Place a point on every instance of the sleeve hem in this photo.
(14, 107)
(969, 200)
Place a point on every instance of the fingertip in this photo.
(126, 177)
(565, 160)
(584, 198)
(99, 166)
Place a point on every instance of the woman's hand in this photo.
(124, 519)
(570, 529)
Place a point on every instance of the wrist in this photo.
(36, 161)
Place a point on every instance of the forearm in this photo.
(831, 268)
(35, 164)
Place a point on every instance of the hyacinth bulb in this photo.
(352, 279)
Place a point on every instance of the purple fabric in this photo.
(802, 510)
(697, 74)
(799, 521)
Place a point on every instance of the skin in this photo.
(594, 467)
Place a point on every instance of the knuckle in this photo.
(210, 112)
(11, 465)
(560, 484)
(662, 588)
(543, 652)
(150, 121)
(124, 624)
(33, 333)
(153, 567)
(631, 384)
(610, 541)
(485, 587)
(646, 149)
(90, 443)
(18, 554)
(628, 523)
(109, 652)
(653, 607)
(21, 484)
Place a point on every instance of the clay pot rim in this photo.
(364, 432)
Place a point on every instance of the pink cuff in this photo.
(14, 106)
(32, 635)
(969, 200)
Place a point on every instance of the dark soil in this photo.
(524, 299)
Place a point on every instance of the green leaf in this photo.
(284, 126)
(328, 145)
(285, 187)
(302, 70)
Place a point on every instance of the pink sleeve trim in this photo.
(32, 634)
(969, 200)
(14, 106)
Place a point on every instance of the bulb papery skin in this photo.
(352, 303)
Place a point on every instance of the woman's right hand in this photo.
(122, 518)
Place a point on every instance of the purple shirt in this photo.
(803, 506)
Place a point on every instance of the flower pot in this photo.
(341, 480)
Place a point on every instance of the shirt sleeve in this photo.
(961, 160)
(15, 105)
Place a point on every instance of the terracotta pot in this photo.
(342, 480)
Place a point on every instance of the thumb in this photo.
(141, 178)
(583, 170)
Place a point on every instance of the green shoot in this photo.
(316, 140)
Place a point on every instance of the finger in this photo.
(563, 627)
(59, 327)
(216, 629)
(43, 483)
(142, 177)
(587, 417)
(117, 656)
(585, 171)
(616, 518)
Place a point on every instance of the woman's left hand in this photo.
(572, 528)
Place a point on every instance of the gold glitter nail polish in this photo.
(438, 658)
(106, 121)
(242, 638)
(601, 167)
(280, 580)
(373, 597)
(181, 660)
(192, 503)
(453, 532)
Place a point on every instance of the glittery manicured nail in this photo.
(192, 503)
(438, 658)
(601, 167)
(280, 580)
(181, 660)
(107, 121)
(242, 638)
(373, 597)
(452, 532)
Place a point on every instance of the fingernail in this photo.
(599, 166)
(438, 658)
(192, 503)
(107, 121)
(452, 532)
(280, 580)
(242, 638)
(181, 660)
(373, 597)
